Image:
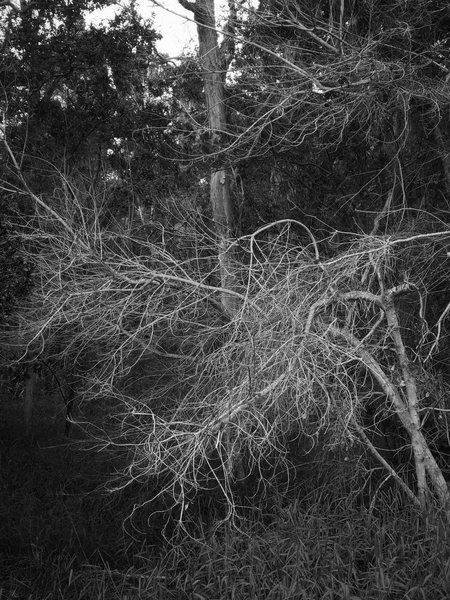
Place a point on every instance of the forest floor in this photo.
(64, 536)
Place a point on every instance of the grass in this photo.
(304, 555)
(62, 538)
(318, 553)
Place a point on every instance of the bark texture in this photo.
(214, 64)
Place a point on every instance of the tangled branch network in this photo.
(209, 399)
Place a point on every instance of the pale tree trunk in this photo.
(425, 462)
(214, 64)
(405, 400)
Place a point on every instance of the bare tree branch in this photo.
(411, 495)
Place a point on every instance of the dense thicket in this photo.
(333, 147)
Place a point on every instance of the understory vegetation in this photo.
(64, 537)
(259, 456)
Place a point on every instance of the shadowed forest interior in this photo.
(225, 302)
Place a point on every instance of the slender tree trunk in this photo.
(424, 460)
(213, 65)
(405, 400)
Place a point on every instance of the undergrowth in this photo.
(63, 538)
(312, 363)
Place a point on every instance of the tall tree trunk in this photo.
(214, 64)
